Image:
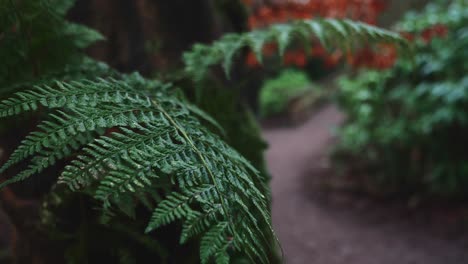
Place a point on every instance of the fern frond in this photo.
(176, 205)
(198, 222)
(46, 158)
(215, 241)
(222, 257)
(61, 131)
(156, 139)
(332, 33)
(73, 94)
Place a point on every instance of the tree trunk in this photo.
(146, 35)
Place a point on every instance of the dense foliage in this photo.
(278, 92)
(407, 125)
(37, 41)
(136, 149)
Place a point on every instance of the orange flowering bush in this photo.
(262, 15)
(281, 11)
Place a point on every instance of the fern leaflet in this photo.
(332, 33)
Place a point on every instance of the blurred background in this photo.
(367, 150)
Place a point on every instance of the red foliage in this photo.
(384, 58)
(282, 11)
(435, 31)
(252, 61)
(295, 57)
(381, 57)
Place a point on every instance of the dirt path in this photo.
(314, 232)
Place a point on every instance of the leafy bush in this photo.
(275, 94)
(407, 126)
(140, 156)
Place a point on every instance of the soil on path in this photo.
(316, 231)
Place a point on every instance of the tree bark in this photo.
(147, 35)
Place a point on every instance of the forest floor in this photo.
(339, 228)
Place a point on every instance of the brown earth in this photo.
(336, 228)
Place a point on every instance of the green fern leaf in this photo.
(73, 94)
(48, 158)
(222, 258)
(197, 223)
(176, 206)
(283, 35)
(332, 33)
(214, 242)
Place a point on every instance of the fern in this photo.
(213, 241)
(332, 33)
(158, 137)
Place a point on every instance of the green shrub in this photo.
(276, 93)
(408, 124)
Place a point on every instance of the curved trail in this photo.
(313, 232)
